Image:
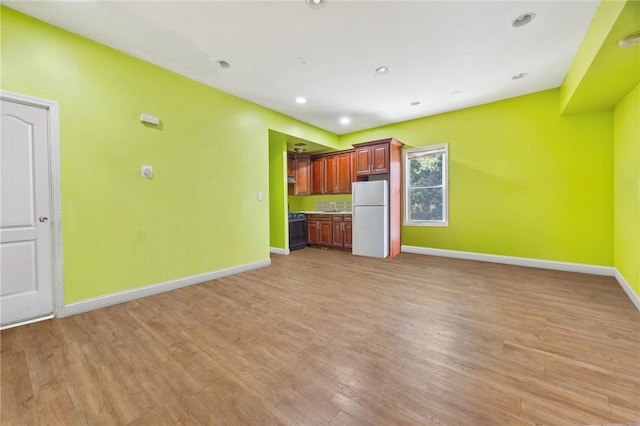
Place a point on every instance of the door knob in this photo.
(43, 219)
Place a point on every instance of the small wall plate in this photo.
(146, 171)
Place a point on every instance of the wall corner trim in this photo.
(635, 299)
(276, 250)
(608, 271)
(137, 293)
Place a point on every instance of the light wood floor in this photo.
(324, 337)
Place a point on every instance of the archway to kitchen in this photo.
(282, 198)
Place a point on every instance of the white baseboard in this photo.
(276, 250)
(31, 321)
(608, 271)
(125, 296)
(510, 260)
(635, 299)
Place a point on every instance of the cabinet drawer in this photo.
(319, 217)
(337, 217)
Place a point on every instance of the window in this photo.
(425, 187)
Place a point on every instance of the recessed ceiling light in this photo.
(519, 76)
(316, 4)
(415, 103)
(523, 19)
(630, 40)
(456, 92)
(223, 64)
(345, 120)
(383, 70)
(301, 100)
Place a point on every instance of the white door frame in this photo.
(54, 190)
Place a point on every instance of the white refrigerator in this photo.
(371, 218)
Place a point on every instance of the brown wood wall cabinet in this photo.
(372, 158)
(354, 169)
(343, 173)
(384, 157)
(330, 178)
(317, 175)
(302, 173)
(332, 173)
(291, 168)
(331, 230)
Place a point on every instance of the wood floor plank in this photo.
(326, 338)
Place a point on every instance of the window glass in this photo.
(426, 186)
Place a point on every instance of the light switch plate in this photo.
(146, 171)
(259, 196)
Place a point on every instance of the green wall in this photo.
(602, 73)
(626, 205)
(602, 78)
(278, 220)
(524, 181)
(210, 156)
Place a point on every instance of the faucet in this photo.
(335, 206)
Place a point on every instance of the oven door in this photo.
(297, 234)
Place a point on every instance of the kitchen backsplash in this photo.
(310, 202)
(334, 205)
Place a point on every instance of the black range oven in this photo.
(297, 231)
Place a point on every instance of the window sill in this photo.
(438, 224)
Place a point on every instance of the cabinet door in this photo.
(317, 176)
(330, 174)
(354, 169)
(303, 174)
(348, 231)
(343, 173)
(338, 234)
(312, 232)
(325, 233)
(380, 158)
(290, 166)
(363, 161)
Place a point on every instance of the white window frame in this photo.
(407, 154)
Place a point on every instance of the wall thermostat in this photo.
(149, 119)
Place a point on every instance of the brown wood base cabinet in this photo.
(342, 230)
(319, 229)
(330, 230)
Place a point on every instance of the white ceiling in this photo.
(279, 50)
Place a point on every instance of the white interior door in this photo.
(26, 285)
